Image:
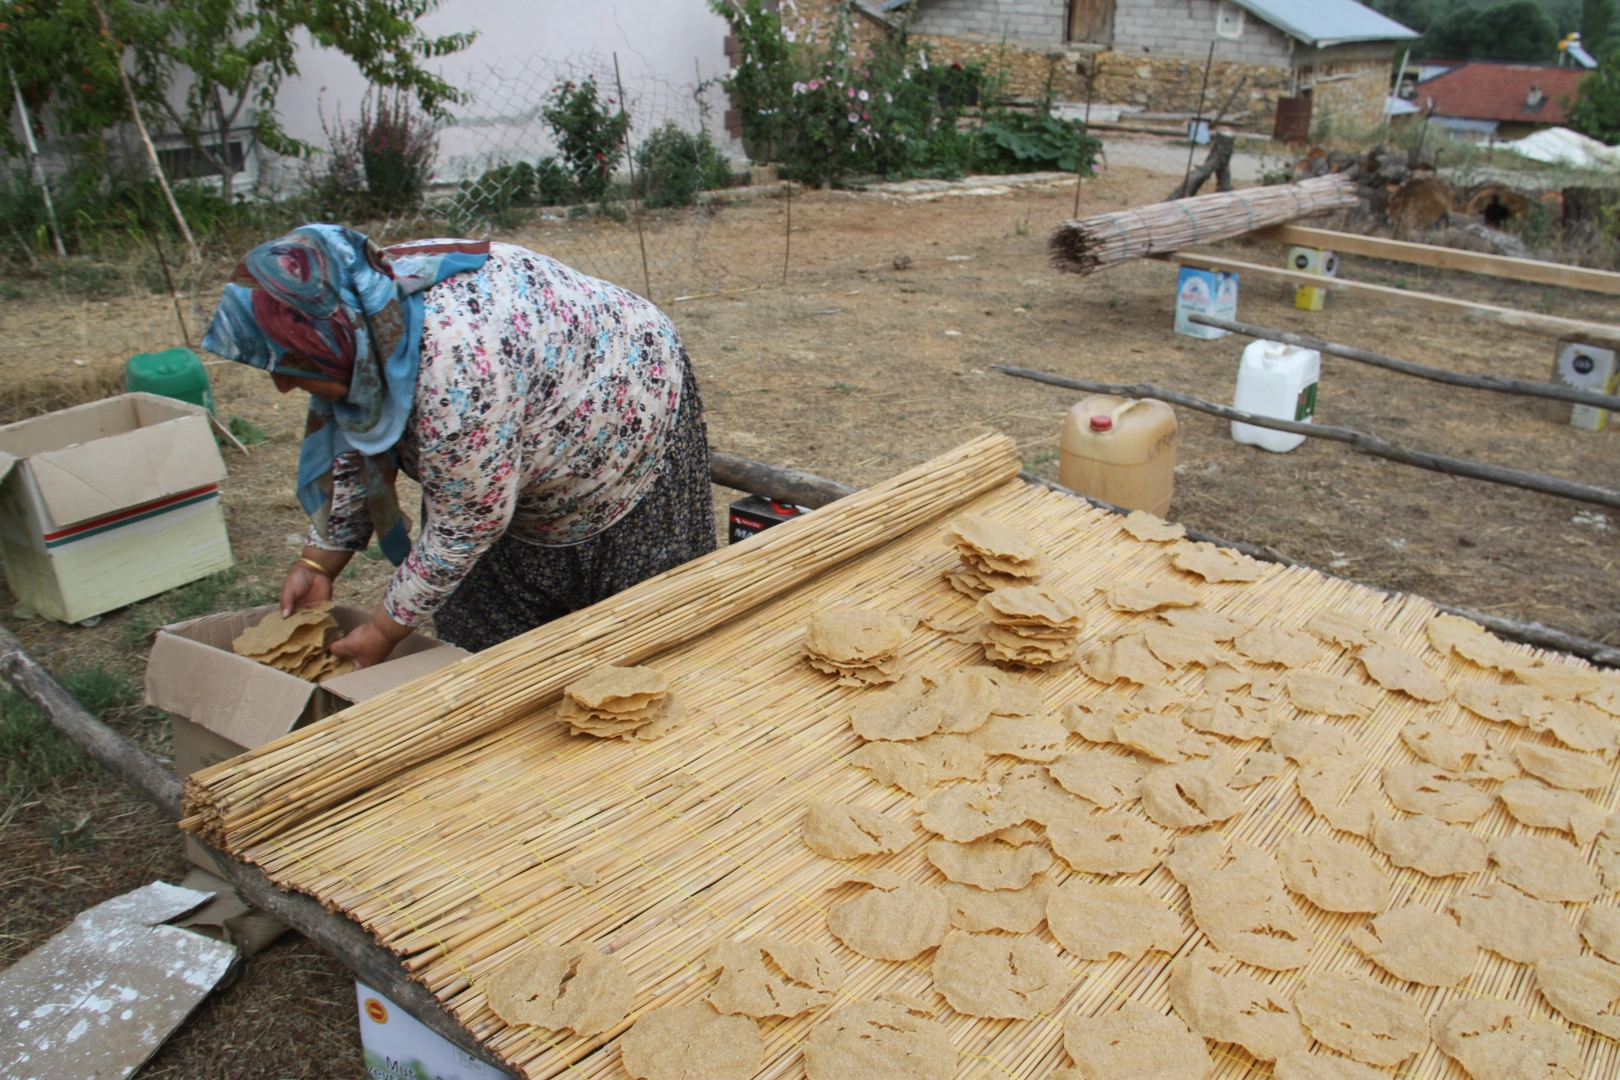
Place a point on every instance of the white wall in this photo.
(667, 40)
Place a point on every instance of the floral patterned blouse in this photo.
(544, 405)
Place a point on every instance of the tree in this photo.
(1596, 111)
(1517, 30)
(1597, 24)
(226, 54)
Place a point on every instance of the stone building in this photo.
(1334, 57)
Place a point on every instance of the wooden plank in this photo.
(1529, 322)
(1473, 262)
(774, 481)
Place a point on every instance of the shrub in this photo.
(1596, 110)
(590, 136)
(673, 165)
(1026, 142)
(397, 149)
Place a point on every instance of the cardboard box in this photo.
(398, 1047)
(756, 513)
(1205, 292)
(1312, 261)
(221, 704)
(1584, 367)
(108, 503)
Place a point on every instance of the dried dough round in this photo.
(1418, 945)
(893, 920)
(1444, 745)
(1017, 911)
(1345, 629)
(1099, 777)
(989, 863)
(1332, 874)
(1395, 669)
(1535, 804)
(998, 977)
(919, 767)
(1361, 1017)
(1214, 564)
(1512, 925)
(1601, 929)
(1239, 901)
(968, 811)
(1495, 1040)
(1331, 695)
(691, 1042)
(1564, 768)
(878, 1039)
(804, 977)
(1029, 738)
(1544, 867)
(848, 832)
(572, 987)
(1094, 922)
(1107, 843)
(1126, 657)
(1135, 1043)
(1274, 645)
(1143, 596)
(1234, 1007)
(1191, 794)
(1584, 989)
(1426, 789)
(1150, 528)
(1429, 846)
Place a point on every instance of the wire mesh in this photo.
(661, 251)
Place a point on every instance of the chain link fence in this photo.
(488, 151)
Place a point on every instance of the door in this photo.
(1091, 20)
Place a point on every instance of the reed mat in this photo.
(659, 851)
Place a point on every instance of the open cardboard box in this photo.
(108, 503)
(221, 704)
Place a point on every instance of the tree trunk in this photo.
(1218, 163)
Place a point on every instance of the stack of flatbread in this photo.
(861, 647)
(994, 555)
(296, 643)
(621, 702)
(1029, 626)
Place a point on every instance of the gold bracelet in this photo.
(304, 560)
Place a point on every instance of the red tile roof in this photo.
(1483, 90)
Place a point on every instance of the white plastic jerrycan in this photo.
(1278, 381)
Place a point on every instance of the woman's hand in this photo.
(370, 643)
(304, 585)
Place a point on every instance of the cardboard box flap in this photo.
(7, 462)
(94, 479)
(358, 686)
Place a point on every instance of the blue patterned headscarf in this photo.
(325, 302)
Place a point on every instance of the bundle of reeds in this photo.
(1104, 240)
(287, 781)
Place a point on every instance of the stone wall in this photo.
(1186, 27)
(1347, 95)
(1172, 84)
(1034, 22)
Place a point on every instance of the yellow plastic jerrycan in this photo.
(1121, 451)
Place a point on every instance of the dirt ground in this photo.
(855, 369)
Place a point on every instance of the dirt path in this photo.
(856, 370)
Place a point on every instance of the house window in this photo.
(1229, 20)
(184, 163)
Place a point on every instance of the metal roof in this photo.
(1328, 22)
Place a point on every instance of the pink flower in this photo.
(815, 84)
(864, 96)
(854, 118)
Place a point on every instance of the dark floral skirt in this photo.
(516, 585)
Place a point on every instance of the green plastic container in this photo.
(176, 373)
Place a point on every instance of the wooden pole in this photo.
(1079, 174)
(1192, 136)
(146, 140)
(347, 941)
(775, 482)
(1502, 384)
(630, 156)
(35, 167)
(1360, 440)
